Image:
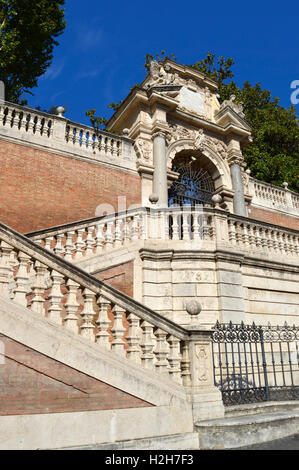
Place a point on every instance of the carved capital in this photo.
(235, 157)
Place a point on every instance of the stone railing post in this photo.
(59, 129)
(206, 398)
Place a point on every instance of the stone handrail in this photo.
(270, 196)
(204, 226)
(60, 134)
(56, 289)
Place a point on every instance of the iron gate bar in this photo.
(269, 379)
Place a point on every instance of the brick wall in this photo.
(121, 277)
(41, 189)
(274, 218)
(33, 383)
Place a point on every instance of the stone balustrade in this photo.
(95, 236)
(270, 196)
(26, 120)
(57, 133)
(53, 288)
(203, 227)
(269, 240)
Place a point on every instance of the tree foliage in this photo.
(28, 35)
(273, 156)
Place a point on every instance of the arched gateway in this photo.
(188, 147)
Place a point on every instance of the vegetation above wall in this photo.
(28, 31)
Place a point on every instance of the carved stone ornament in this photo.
(237, 107)
(201, 140)
(143, 149)
(245, 179)
(161, 75)
(202, 358)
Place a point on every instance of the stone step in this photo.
(186, 441)
(239, 431)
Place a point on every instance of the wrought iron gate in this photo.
(256, 363)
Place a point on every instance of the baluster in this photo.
(103, 323)
(196, 225)
(174, 359)
(6, 270)
(176, 225)
(275, 242)
(133, 350)
(80, 244)
(285, 244)
(161, 351)
(22, 278)
(59, 249)
(87, 315)
(263, 233)
(100, 238)
(71, 306)
(270, 241)
(143, 226)
(55, 297)
(127, 230)
(48, 242)
(117, 344)
(69, 246)
(134, 228)
(147, 345)
(109, 236)
(280, 243)
(186, 225)
(118, 233)
(37, 125)
(185, 365)
(232, 232)
(90, 242)
(38, 288)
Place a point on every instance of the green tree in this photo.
(273, 156)
(28, 35)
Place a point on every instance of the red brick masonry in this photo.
(40, 189)
(274, 218)
(32, 383)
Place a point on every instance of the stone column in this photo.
(235, 159)
(160, 169)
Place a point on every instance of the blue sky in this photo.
(101, 53)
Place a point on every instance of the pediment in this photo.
(226, 116)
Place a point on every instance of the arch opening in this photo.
(196, 180)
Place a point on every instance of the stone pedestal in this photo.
(206, 398)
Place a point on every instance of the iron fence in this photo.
(256, 363)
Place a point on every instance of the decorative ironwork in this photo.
(256, 363)
(194, 186)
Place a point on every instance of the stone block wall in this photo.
(230, 287)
